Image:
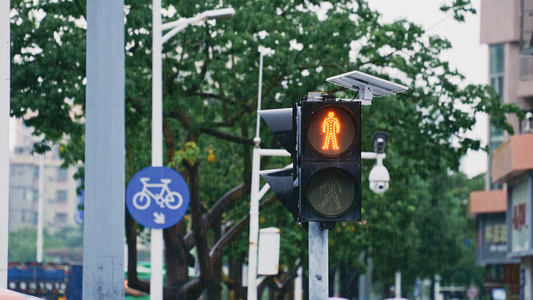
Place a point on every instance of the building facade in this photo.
(59, 192)
(503, 209)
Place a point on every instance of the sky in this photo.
(467, 54)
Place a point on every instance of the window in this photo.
(61, 175)
(16, 194)
(497, 69)
(61, 196)
(61, 219)
(526, 27)
(19, 170)
(28, 195)
(526, 40)
(36, 172)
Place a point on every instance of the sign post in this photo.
(157, 197)
(156, 281)
(318, 262)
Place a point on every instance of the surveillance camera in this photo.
(379, 179)
(380, 141)
(529, 118)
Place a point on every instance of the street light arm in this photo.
(173, 32)
(217, 14)
(179, 25)
(180, 22)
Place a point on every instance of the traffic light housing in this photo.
(324, 139)
(283, 123)
(329, 160)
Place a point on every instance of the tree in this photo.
(23, 248)
(464, 272)
(210, 95)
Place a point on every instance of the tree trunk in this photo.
(176, 259)
(199, 228)
(214, 291)
(349, 282)
(288, 284)
(131, 241)
(235, 272)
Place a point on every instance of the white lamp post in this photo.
(156, 257)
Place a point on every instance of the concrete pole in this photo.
(318, 262)
(5, 60)
(40, 205)
(103, 248)
(156, 247)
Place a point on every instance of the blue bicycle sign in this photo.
(157, 197)
(170, 199)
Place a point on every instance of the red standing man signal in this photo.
(331, 127)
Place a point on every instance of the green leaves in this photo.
(459, 8)
(189, 154)
(48, 68)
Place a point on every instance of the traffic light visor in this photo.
(331, 131)
(331, 191)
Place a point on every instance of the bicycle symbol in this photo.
(142, 199)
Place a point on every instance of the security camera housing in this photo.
(379, 179)
(368, 86)
(529, 119)
(380, 142)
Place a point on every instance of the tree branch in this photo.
(288, 283)
(227, 136)
(218, 209)
(184, 119)
(216, 251)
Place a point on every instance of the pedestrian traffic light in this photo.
(281, 181)
(324, 139)
(330, 160)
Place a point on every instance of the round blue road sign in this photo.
(157, 197)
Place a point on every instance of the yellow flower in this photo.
(211, 157)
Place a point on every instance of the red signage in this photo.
(519, 216)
